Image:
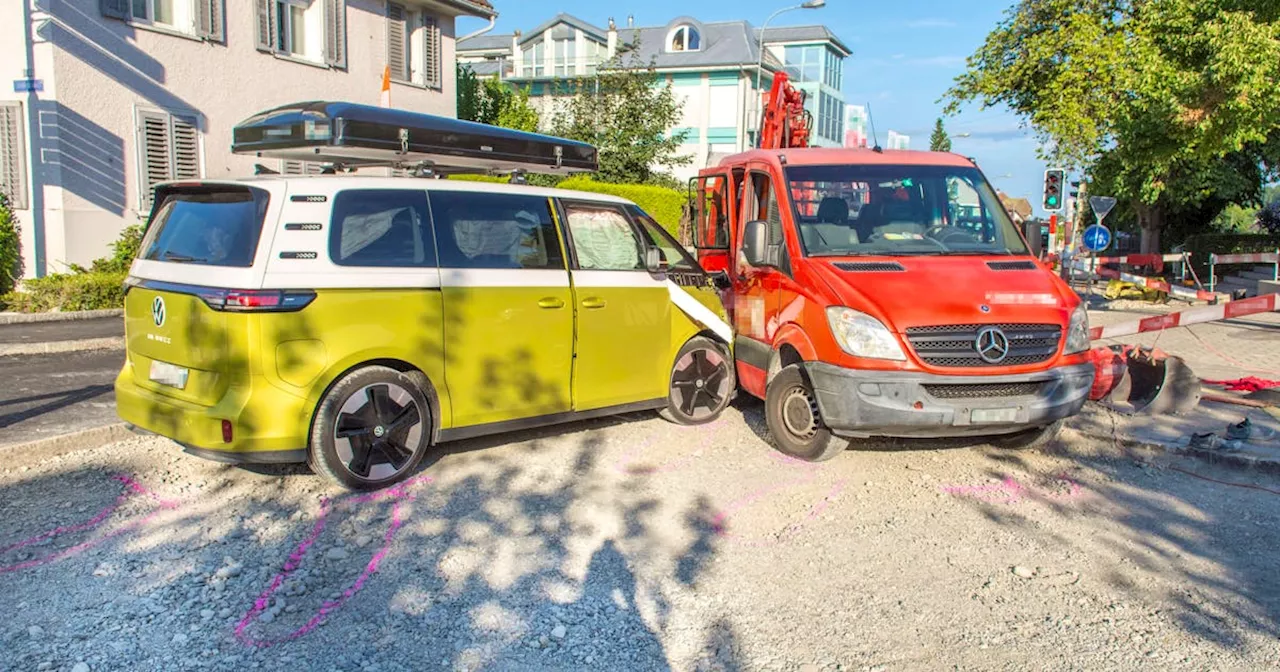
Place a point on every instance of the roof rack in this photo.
(347, 136)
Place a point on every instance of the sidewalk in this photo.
(1228, 350)
(31, 338)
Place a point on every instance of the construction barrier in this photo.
(1272, 258)
(1157, 284)
(1259, 304)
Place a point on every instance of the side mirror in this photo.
(654, 261)
(755, 247)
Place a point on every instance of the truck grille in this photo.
(953, 345)
(983, 390)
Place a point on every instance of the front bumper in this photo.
(857, 403)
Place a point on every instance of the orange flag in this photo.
(385, 99)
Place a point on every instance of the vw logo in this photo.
(992, 345)
(157, 311)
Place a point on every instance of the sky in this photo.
(904, 59)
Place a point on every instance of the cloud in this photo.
(898, 57)
(931, 23)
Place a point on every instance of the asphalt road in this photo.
(43, 396)
(73, 330)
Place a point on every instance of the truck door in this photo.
(757, 289)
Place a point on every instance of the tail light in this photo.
(258, 300)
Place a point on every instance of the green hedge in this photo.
(663, 204)
(1202, 245)
(10, 247)
(66, 292)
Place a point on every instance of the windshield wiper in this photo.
(182, 258)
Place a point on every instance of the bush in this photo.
(66, 292)
(1202, 245)
(665, 205)
(10, 248)
(123, 250)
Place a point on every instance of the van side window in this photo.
(487, 230)
(381, 227)
(656, 236)
(603, 238)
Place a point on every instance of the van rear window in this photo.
(207, 226)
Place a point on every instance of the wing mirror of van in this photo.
(755, 245)
(654, 261)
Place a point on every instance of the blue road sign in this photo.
(28, 85)
(1097, 238)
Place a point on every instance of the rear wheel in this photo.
(701, 384)
(372, 428)
(1030, 439)
(791, 411)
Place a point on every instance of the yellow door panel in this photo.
(623, 338)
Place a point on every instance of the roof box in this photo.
(352, 136)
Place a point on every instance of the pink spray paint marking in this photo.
(399, 494)
(809, 474)
(1010, 491)
(131, 489)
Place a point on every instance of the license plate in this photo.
(988, 415)
(168, 374)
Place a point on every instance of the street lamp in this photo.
(809, 4)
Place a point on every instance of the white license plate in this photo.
(989, 415)
(168, 374)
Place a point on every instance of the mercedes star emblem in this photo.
(992, 345)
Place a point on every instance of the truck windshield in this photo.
(899, 210)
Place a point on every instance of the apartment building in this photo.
(110, 97)
(711, 66)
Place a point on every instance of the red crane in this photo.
(784, 122)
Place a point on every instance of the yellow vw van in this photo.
(353, 322)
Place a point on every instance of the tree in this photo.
(493, 102)
(1269, 218)
(1175, 101)
(627, 115)
(939, 141)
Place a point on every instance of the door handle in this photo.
(550, 302)
(593, 302)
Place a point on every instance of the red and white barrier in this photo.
(1259, 304)
(1155, 283)
(1254, 258)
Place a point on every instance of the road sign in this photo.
(1097, 237)
(28, 85)
(1101, 205)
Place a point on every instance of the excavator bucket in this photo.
(1145, 381)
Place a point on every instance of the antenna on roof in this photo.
(874, 139)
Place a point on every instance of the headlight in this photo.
(861, 335)
(1077, 332)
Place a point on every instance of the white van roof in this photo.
(330, 184)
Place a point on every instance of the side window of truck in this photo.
(762, 203)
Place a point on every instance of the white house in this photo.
(712, 67)
(111, 96)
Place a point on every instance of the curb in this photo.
(1233, 460)
(70, 316)
(18, 455)
(56, 347)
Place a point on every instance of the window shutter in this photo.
(155, 154)
(13, 156)
(266, 28)
(186, 149)
(114, 9)
(299, 168)
(430, 52)
(335, 31)
(209, 24)
(397, 29)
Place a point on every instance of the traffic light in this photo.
(1053, 190)
(1075, 189)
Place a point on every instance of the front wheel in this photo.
(702, 383)
(791, 411)
(372, 428)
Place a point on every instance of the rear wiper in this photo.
(182, 258)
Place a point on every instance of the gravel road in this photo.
(632, 544)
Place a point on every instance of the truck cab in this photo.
(886, 294)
